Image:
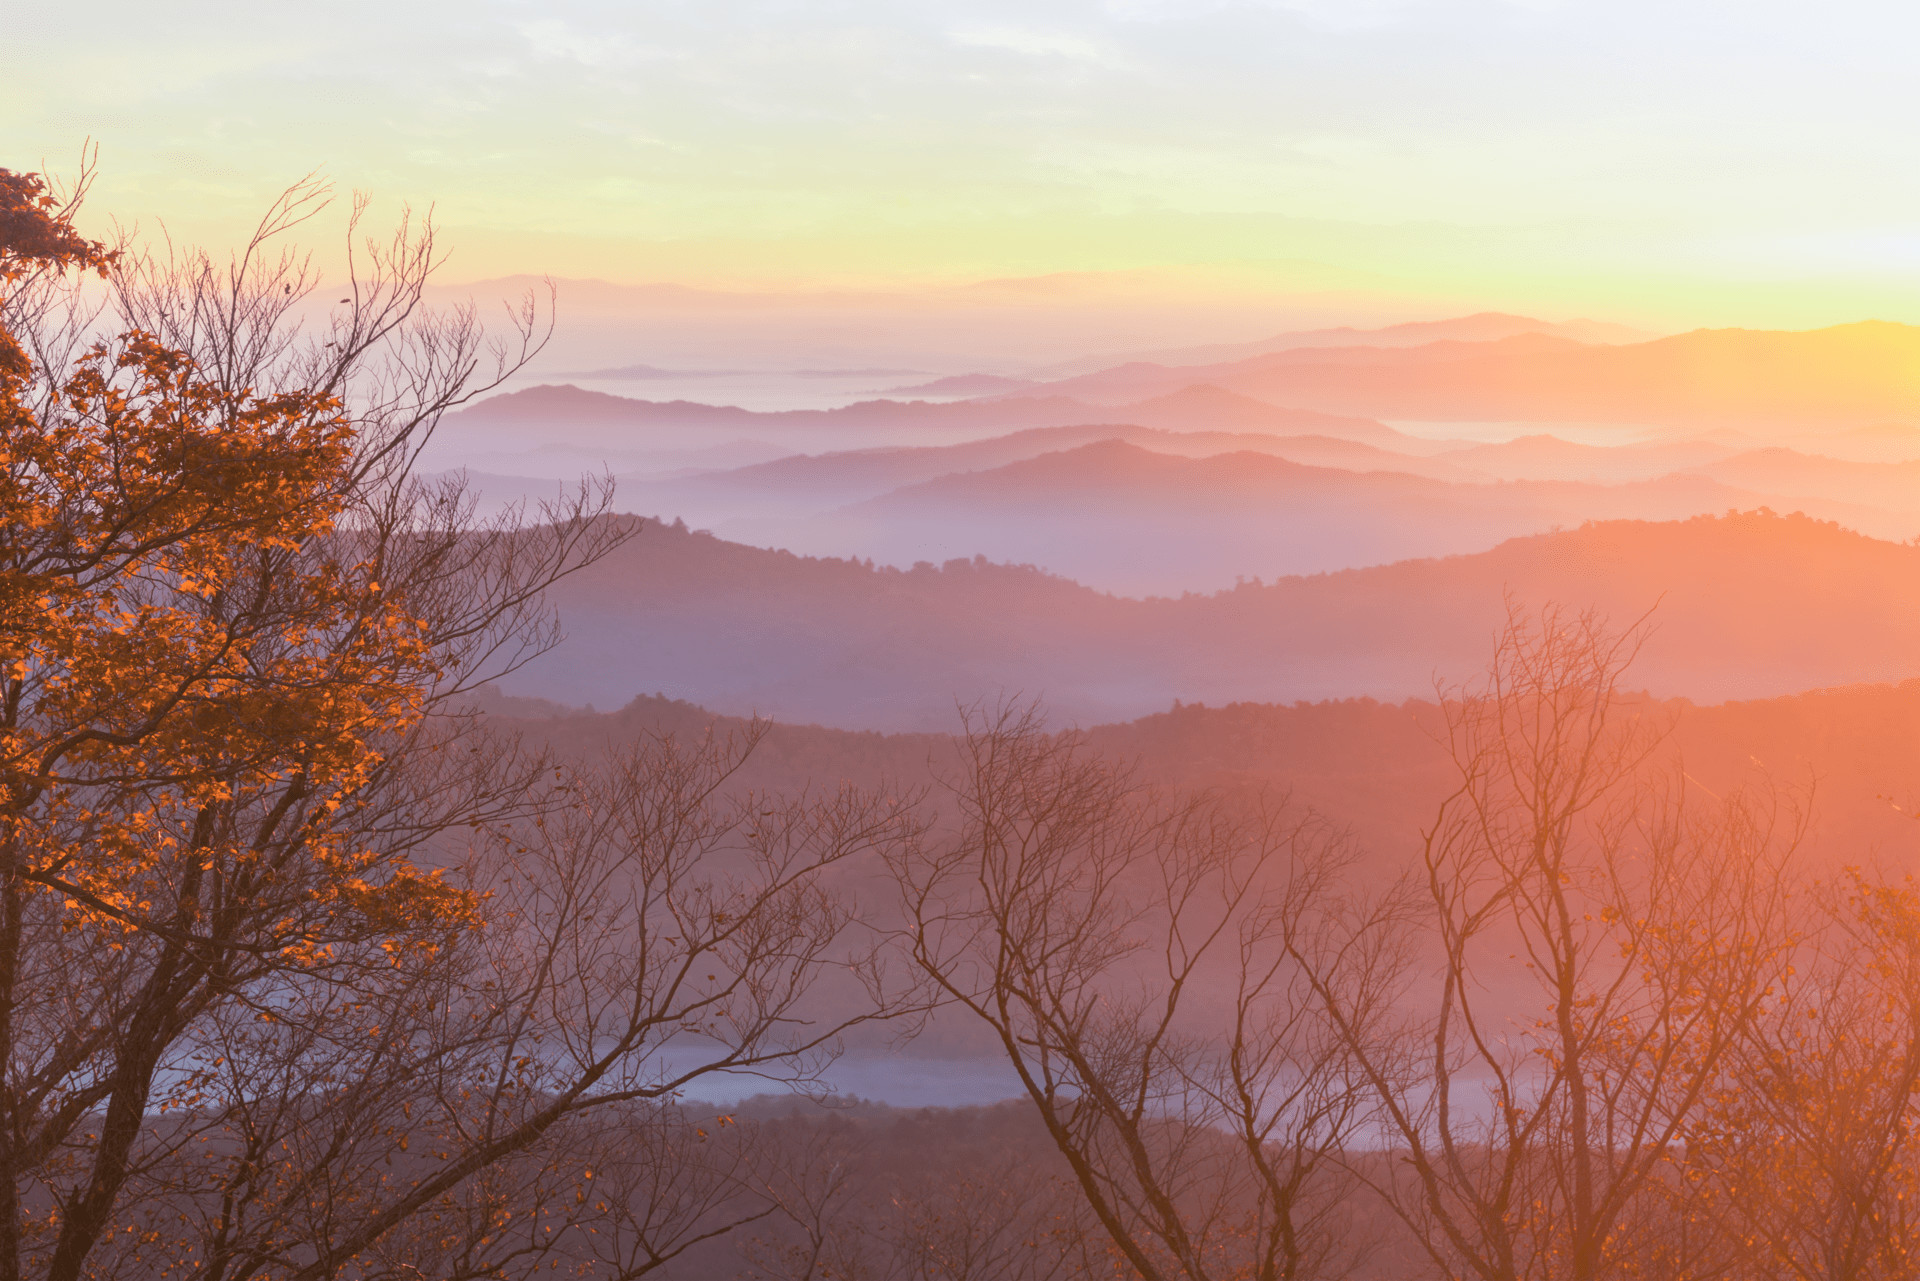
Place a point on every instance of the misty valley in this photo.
(1434, 800)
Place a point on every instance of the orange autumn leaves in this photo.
(195, 681)
(33, 232)
(1807, 1152)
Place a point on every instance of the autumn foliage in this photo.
(268, 890)
(169, 650)
(198, 689)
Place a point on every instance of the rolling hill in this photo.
(1749, 606)
(816, 483)
(1373, 767)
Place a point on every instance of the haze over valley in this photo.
(1199, 485)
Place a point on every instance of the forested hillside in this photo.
(1742, 606)
(1850, 756)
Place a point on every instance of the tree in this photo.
(295, 958)
(1807, 1150)
(511, 1104)
(1601, 948)
(1091, 924)
(225, 619)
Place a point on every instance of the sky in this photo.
(1667, 164)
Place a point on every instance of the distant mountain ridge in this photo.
(1123, 518)
(1842, 376)
(818, 482)
(535, 417)
(966, 385)
(1485, 326)
(1752, 605)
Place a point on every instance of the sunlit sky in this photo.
(1666, 163)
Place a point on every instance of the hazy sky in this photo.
(1675, 161)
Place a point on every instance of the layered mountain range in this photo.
(1328, 515)
(1193, 490)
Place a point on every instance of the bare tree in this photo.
(508, 1099)
(1093, 925)
(1601, 947)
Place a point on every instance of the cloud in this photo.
(861, 138)
(1037, 44)
(555, 41)
(1338, 17)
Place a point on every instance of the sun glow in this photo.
(1668, 165)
